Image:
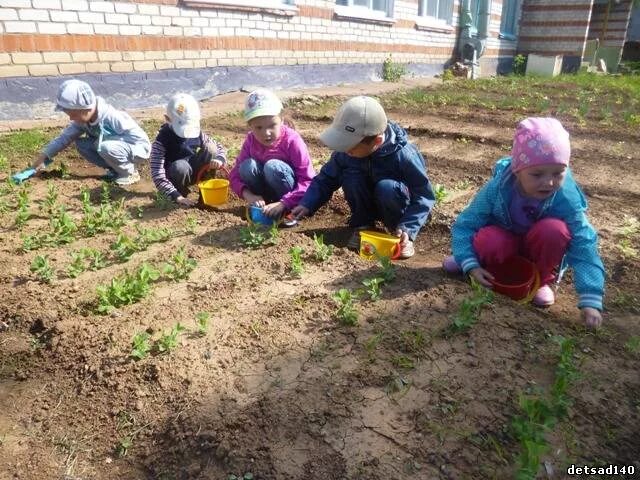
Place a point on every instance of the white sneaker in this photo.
(407, 250)
(128, 179)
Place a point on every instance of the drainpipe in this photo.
(473, 42)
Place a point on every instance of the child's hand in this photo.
(38, 162)
(215, 164)
(274, 210)
(482, 276)
(252, 198)
(591, 316)
(185, 202)
(299, 211)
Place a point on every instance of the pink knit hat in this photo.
(539, 141)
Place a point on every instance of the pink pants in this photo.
(544, 244)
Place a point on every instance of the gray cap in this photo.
(358, 117)
(75, 95)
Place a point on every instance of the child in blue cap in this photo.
(104, 136)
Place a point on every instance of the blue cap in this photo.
(75, 95)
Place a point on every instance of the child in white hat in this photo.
(104, 136)
(273, 169)
(181, 151)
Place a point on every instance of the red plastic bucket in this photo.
(514, 278)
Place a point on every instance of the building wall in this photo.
(634, 25)
(615, 32)
(139, 52)
(555, 27)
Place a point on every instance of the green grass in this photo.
(23, 145)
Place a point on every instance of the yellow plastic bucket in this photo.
(377, 243)
(214, 191)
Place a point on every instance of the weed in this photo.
(107, 216)
(296, 261)
(372, 287)
(169, 341)
(202, 322)
(372, 344)
(388, 273)
(126, 289)
(63, 170)
(440, 192)
(105, 193)
(633, 344)
(346, 313)
(42, 268)
(470, 308)
(180, 266)
(141, 345)
(402, 361)
(322, 251)
(414, 340)
(162, 202)
(391, 71)
(629, 230)
(124, 444)
(519, 64)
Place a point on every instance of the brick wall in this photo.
(613, 34)
(554, 27)
(70, 37)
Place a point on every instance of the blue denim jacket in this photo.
(490, 206)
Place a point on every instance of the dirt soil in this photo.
(277, 387)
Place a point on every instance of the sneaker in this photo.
(407, 250)
(288, 221)
(128, 179)
(109, 176)
(544, 297)
(450, 265)
(354, 240)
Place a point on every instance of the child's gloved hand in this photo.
(274, 210)
(591, 316)
(299, 211)
(185, 202)
(482, 276)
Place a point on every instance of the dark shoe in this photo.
(109, 176)
(354, 239)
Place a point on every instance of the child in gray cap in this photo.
(106, 137)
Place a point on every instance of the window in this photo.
(285, 6)
(435, 14)
(375, 10)
(509, 23)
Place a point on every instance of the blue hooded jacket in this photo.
(490, 206)
(396, 159)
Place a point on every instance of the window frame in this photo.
(362, 13)
(512, 11)
(278, 7)
(428, 22)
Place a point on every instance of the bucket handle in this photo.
(395, 252)
(534, 288)
(206, 167)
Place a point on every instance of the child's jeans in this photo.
(112, 155)
(544, 244)
(386, 201)
(271, 180)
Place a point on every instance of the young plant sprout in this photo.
(41, 267)
(296, 261)
(346, 313)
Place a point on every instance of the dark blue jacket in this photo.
(396, 159)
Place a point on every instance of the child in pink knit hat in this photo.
(532, 207)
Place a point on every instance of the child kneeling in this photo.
(533, 207)
(181, 152)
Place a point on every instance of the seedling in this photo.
(372, 344)
(190, 225)
(322, 251)
(63, 170)
(162, 202)
(470, 308)
(23, 208)
(77, 266)
(169, 341)
(440, 192)
(126, 289)
(107, 216)
(41, 267)
(402, 361)
(105, 193)
(124, 444)
(124, 247)
(254, 235)
(202, 322)
(388, 273)
(63, 229)
(50, 204)
(4, 164)
(296, 261)
(96, 258)
(346, 313)
(141, 345)
(372, 287)
(180, 267)
(147, 236)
